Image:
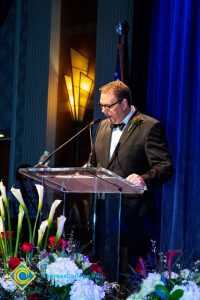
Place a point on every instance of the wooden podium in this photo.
(107, 188)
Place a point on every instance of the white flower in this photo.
(134, 297)
(2, 208)
(147, 286)
(52, 211)
(2, 189)
(60, 225)
(3, 194)
(41, 232)
(191, 291)
(20, 217)
(1, 224)
(184, 273)
(63, 271)
(85, 289)
(172, 275)
(7, 284)
(40, 190)
(18, 196)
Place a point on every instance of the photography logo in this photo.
(22, 276)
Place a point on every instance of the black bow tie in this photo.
(120, 126)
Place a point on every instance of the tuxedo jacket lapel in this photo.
(130, 127)
(106, 148)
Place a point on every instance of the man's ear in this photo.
(125, 103)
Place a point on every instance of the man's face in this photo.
(112, 108)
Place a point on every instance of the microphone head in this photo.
(95, 121)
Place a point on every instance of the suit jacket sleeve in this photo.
(159, 157)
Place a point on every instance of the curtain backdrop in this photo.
(174, 98)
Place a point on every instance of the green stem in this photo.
(4, 241)
(47, 235)
(9, 230)
(3, 256)
(34, 229)
(16, 245)
(17, 242)
(29, 226)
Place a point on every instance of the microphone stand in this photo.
(68, 141)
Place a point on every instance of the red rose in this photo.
(27, 247)
(60, 243)
(7, 234)
(14, 262)
(96, 268)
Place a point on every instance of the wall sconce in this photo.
(79, 86)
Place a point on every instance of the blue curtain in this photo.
(174, 98)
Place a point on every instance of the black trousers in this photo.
(135, 238)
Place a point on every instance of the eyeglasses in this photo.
(107, 106)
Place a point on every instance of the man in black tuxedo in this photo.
(133, 146)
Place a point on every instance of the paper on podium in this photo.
(82, 180)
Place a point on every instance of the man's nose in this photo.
(104, 109)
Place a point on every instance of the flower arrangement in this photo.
(155, 279)
(136, 121)
(59, 269)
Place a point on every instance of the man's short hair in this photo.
(119, 89)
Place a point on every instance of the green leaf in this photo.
(177, 294)
(162, 292)
(51, 258)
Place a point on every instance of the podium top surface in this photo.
(82, 180)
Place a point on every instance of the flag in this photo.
(119, 75)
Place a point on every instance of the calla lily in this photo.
(1, 224)
(140, 268)
(20, 218)
(2, 246)
(3, 194)
(60, 226)
(18, 195)
(6, 203)
(19, 228)
(40, 190)
(41, 232)
(3, 230)
(171, 254)
(2, 189)
(50, 219)
(2, 212)
(52, 211)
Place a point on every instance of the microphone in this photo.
(95, 121)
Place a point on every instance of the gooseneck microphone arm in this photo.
(68, 141)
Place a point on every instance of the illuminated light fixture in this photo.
(79, 86)
(2, 135)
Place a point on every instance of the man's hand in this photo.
(137, 180)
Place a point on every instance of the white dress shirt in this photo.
(117, 132)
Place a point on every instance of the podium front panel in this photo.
(106, 189)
